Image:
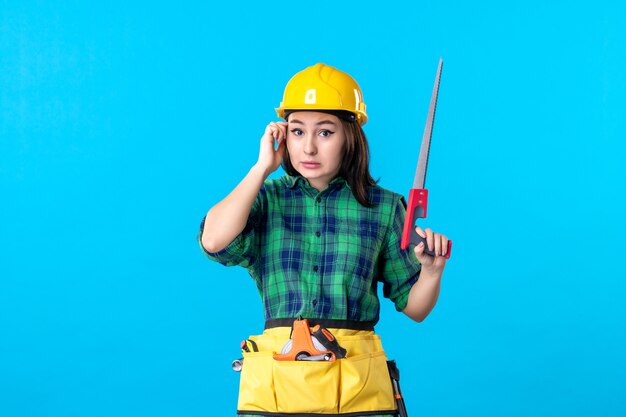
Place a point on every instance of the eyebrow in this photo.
(321, 122)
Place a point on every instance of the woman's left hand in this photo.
(437, 242)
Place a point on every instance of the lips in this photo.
(310, 164)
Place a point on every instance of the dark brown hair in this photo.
(355, 164)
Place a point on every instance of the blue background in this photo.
(122, 124)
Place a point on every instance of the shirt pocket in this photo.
(358, 243)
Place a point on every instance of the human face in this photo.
(316, 142)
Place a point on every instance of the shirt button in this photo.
(315, 268)
(318, 199)
(318, 234)
(314, 302)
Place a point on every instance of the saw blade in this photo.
(422, 162)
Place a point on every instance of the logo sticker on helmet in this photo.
(310, 97)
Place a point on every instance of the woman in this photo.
(316, 242)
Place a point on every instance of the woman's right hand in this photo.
(270, 157)
(226, 220)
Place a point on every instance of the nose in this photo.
(309, 146)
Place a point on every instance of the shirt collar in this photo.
(293, 180)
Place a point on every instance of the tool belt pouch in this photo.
(359, 383)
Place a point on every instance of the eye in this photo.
(326, 133)
(296, 132)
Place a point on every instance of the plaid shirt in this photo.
(320, 254)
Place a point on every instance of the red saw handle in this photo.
(417, 208)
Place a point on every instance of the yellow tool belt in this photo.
(359, 383)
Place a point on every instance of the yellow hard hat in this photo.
(322, 87)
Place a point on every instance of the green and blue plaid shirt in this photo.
(321, 254)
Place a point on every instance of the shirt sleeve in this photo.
(400, 269)
(244, 249)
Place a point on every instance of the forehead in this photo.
(313, 118)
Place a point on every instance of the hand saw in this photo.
(418, 196)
